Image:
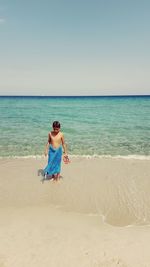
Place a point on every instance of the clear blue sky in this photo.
(74, 47)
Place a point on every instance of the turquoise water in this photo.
(93, 126)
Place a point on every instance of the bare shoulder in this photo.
(61, 134)
(62, 137)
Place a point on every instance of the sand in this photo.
(97, 215)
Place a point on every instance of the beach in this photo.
(96, 215)
(74, 134)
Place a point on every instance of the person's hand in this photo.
(66, 159)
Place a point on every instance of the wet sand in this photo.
(97, 215)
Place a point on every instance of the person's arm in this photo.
(64, 145)
(47, 145)
(65, 157)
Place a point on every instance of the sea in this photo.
(93, 126)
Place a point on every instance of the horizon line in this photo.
(128, 95)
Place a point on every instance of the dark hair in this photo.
(56, 124)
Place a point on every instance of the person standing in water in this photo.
(54, 149)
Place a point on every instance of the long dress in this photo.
(54, 161)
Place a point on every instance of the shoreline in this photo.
(40, 157)
(87, 186)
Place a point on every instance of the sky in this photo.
(74, 47)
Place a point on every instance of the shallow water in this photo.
(116, 190)
(94, 126)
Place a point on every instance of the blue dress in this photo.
(54, 161)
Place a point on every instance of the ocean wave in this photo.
(140, 157)
(24, 157)
(127, 157)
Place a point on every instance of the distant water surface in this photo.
(93, 126)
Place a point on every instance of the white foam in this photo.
(24, 157)
(128, 157)
(139, 157)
